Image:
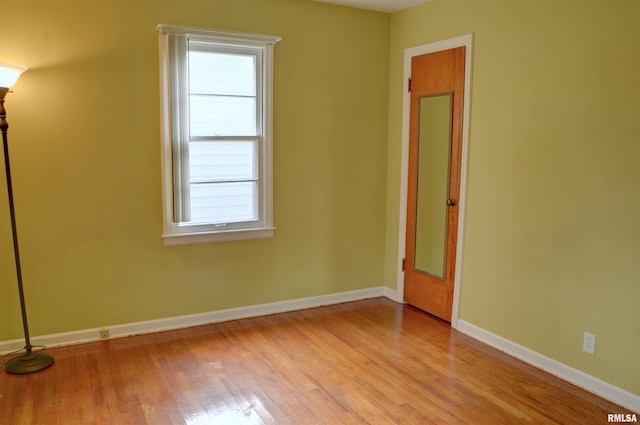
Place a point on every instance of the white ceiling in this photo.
(388, 6)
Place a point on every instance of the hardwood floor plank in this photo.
(367, 362)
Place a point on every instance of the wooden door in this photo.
(435, 151)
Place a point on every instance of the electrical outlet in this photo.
(104, 333)
(589, 343)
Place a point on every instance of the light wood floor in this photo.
(367, 362)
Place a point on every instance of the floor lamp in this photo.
(29, 362)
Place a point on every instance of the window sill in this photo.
(212, 237)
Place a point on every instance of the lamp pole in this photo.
(29, 362)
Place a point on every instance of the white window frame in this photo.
(175, 138)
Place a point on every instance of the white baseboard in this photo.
(392, 294)
(151, 326)
(561, 370)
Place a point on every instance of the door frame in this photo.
(409, 53)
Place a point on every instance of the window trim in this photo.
(173, 232)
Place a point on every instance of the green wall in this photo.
(85, 146)
(552, 239)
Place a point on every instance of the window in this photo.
(216, 135)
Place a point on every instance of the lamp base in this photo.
(29, 363)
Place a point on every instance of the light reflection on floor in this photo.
(235, 416)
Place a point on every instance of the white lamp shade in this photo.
(9, 73)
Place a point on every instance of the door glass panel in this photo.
(434, 137)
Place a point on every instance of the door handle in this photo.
(451, 202)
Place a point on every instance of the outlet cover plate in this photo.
(589, 343)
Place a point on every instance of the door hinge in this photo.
(404, 261)
(409, 85)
